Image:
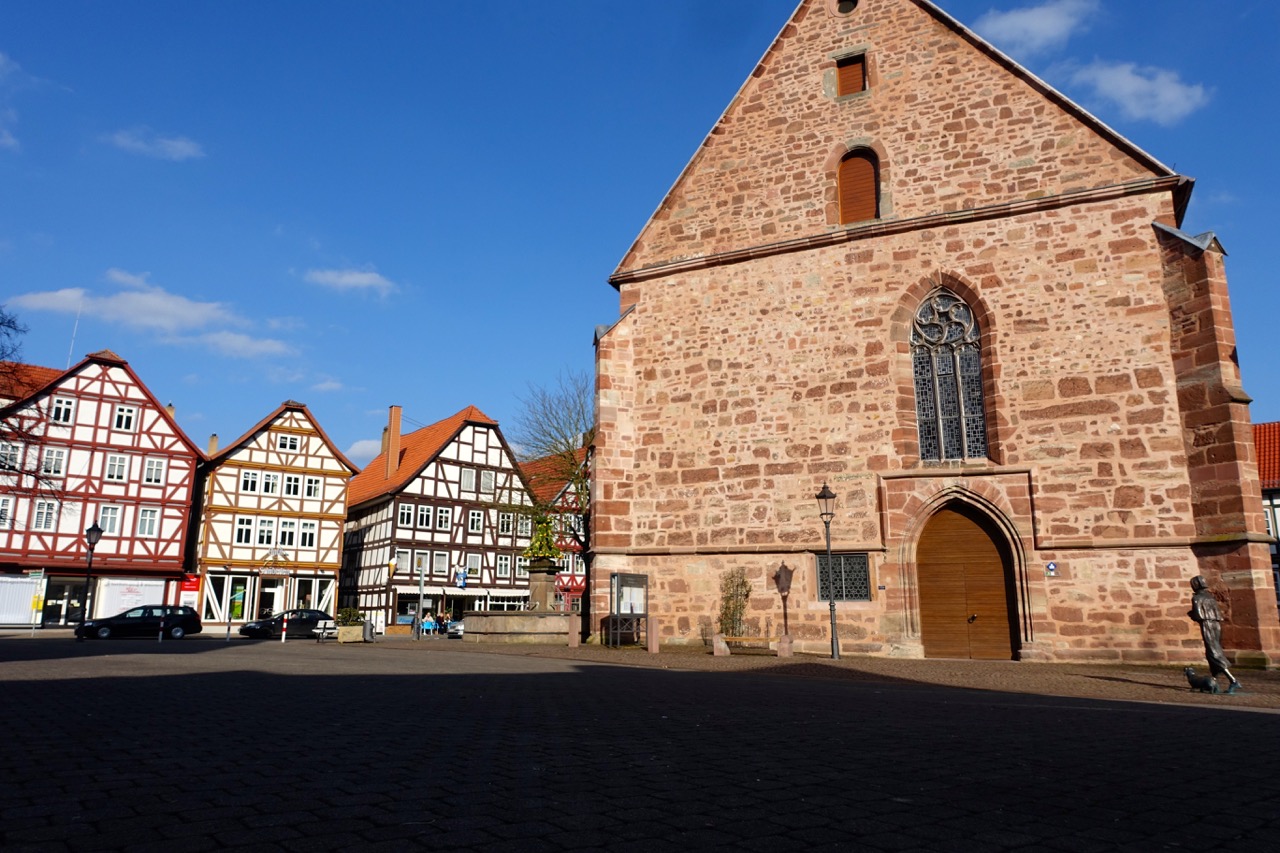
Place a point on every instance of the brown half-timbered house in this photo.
(84, 445)
(439, 520)
(273, 504)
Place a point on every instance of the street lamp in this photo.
(92, 536)
(827, 511)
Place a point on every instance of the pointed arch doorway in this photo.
(965, 580)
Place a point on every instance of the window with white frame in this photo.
(440, 563)
(473, 565)
(424, 517)
(288, 531)
(313, 487)
(287, 442)
(444, 515)
(148, 522)
(270, 483)
(244, 531)
(402, 560)
(153, 474)
(486, 482)
(421, 563)
(504, 565)
(248, 481)
(266, 531)
(62, 410)
(307, 535)
(292, 485)
(54, 462)
(504, 523)
(125, 419)
(46, 515)
(468, 479)
(404, 516)
(6, 513)
(109, 519)
(522, 567)
(117, 468)
(475, 521)
(525, 526)
(9, 454)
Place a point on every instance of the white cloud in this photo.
(363, 451)
(11, 78)
(1142, 92)
(351, 279)
(142, 141)
(171, 318)
(239, 345)
(1035, 29)
(327, 385)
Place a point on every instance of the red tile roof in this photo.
(1266, 440)
(417, 449)
(19, 380)
(547, 476)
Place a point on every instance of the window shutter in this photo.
(859, 188)
(851, 75)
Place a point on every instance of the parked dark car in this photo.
(301, 623)
(145, 621)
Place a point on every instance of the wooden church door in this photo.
(966, 602)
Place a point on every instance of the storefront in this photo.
(241, 595)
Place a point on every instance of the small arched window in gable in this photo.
(946, 358)
(859, 185)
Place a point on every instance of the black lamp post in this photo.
(827, 510)
(92, 536)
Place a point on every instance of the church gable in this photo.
(888, 113)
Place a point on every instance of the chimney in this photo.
(213, 443)
(170, 409)
(393, 442)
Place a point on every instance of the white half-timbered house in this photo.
(87, 444)
(440, 516)
(273, 504)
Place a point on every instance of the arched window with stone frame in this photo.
(946, 359)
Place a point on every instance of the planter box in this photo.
(350, 633)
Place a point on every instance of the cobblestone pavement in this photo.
(212, 745)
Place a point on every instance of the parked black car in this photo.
(144, 621)
(301, 622)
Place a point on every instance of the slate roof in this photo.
(1266, 438)
(417, 449)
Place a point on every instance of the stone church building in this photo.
(903, 266)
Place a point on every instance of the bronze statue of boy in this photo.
(1204, 610)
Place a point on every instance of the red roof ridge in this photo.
(1266, 442)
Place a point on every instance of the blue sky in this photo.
(359, 204)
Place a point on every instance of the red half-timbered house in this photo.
(273, 504)
(560, 487)
(88, 444)
(441, 516)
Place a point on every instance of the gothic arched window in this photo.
(946, 359)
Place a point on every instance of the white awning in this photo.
(508, 593)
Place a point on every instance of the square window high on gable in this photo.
(851, 75)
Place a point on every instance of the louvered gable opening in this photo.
(851, 75)
(859, 182)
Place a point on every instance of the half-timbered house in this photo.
(92, 444)
(273, 503)
(437, 520)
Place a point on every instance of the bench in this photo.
(325, 629)
(720, 644)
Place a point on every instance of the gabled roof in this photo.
(18, 380)
(107, 357)
(286, 406)
(417, 449)
(547, 476)
(1266, 440)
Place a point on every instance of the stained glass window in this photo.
(946, 358)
